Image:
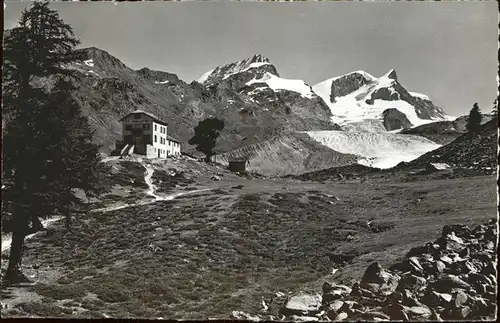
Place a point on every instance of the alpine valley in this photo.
(361, 201)
(282, 126)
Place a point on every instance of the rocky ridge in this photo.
(471, 151)
(452, 278)
(444, 132)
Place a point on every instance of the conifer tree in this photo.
(47, 143)
(475, 118)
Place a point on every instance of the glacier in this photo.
(375, 149)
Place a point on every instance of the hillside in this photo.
(109, 89)
(444, 132)
(169, 242)
(468, 155)
(475, 151)
(288, 153)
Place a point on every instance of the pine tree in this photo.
(475, 118)
(494, 110)
(47, 144)
(205, 136)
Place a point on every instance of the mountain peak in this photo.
(101, 59)
(391, 75)
(258, 58)
(257, 63)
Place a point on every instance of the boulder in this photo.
(341, 316)
(350, 306)
(418, 312)
(411, 282)
(460, 299)
(460, 230)
(434, 299)
(296, 318)
(438, 267)
(335, 289)
(396, 312)
(375, 274)
(415, 266)
(446, 283)
(302, 304)
(463, 267)
(374, 316)
(451, 243)
(333, 308)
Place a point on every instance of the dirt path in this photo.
(14, 295)
(151, 191)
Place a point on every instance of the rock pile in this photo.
(452, 278)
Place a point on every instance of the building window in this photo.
(155, 138)
(155, 127)
(128, 127)
(145, 126)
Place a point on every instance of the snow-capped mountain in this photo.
(360, 101)
(254, 86)
(258, 64)
(255, 75)
(371, 111)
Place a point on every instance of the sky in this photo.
(446, 50)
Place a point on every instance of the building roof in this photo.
(172, 139)
(238, 160)
(155, 118)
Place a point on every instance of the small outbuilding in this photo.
(238, 165)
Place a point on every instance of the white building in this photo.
(146, 134)
(174, 146)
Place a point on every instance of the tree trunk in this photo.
(36, 225)
(67, 221)
(14, 273)
(19, 232)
